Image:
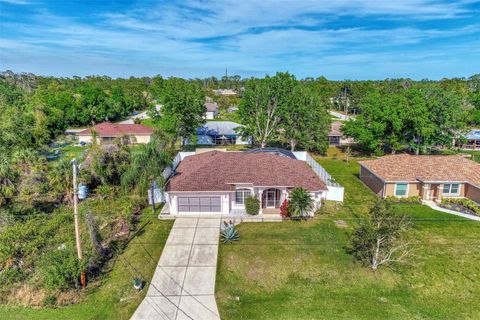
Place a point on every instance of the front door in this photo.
(270, 198)
(270, 203)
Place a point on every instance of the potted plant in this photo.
(137, 283)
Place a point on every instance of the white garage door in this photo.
(199, 204)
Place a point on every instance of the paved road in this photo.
(142, 115)
(339, 115)
(183, 285)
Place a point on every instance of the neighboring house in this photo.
(225, 92)
(219, 182)
(106, 132)
(220, 133)
(429, 177)
(212, 110)
(472, 140)
(336, 137)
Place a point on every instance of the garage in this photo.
(199, 204)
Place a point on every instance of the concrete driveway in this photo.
(183, 285)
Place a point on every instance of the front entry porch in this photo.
(271, 198)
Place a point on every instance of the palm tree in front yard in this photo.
(300, 202)
(148, 163)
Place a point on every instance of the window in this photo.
(451, 189)
(401, 189)
(241, 194)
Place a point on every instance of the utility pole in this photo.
(75, 210)
(152, 195)
(83, 278)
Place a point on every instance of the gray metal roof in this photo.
(474, 134)
(218, 128)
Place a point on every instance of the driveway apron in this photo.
(183, 286)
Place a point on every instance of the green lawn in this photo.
(114, 296)
(301, 270)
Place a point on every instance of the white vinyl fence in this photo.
(335, 190)
(159, 194)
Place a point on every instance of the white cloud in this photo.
(199, 38)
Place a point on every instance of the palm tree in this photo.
(147, 165)
(61, 180)
(300, 202)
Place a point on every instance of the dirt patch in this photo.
(341, 223)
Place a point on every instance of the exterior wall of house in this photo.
(142, 139)
(209, 115)
(135, 139)
(461, 194)
(414, 189)
(228, 202)
(241, 141)
(372, 181)
(472, 193)
(86, 139)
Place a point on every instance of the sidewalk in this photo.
(183, 285)
(432, 205)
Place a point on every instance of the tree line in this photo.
(392, 114)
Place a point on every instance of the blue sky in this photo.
(344, 39)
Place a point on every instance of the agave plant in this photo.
(229, 234)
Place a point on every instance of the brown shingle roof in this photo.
(107, 129)
(217, 171)
(405, 167)
(211, 106)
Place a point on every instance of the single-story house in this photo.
(212, 110)
(106, 132)
(336, 137)
(220, 133)
(219, 182)
(472, 140)
(226, 92)
(427, 176)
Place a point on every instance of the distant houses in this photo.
(336, 137)
(212, 110)
(472, 140)
(225, 92)
(106, 132)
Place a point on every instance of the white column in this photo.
(225, 204)
(283, 196)
(260, 197)
(426, 191)
(173, 205)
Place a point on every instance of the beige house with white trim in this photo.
(106, 132)
(429, 177)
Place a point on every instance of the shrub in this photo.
(380, 238)
(453, 203)
(50, 301)
(413, 199)
(60, 268)
(284, 209)
(104, 191)
(11, 275)
(252, 205)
